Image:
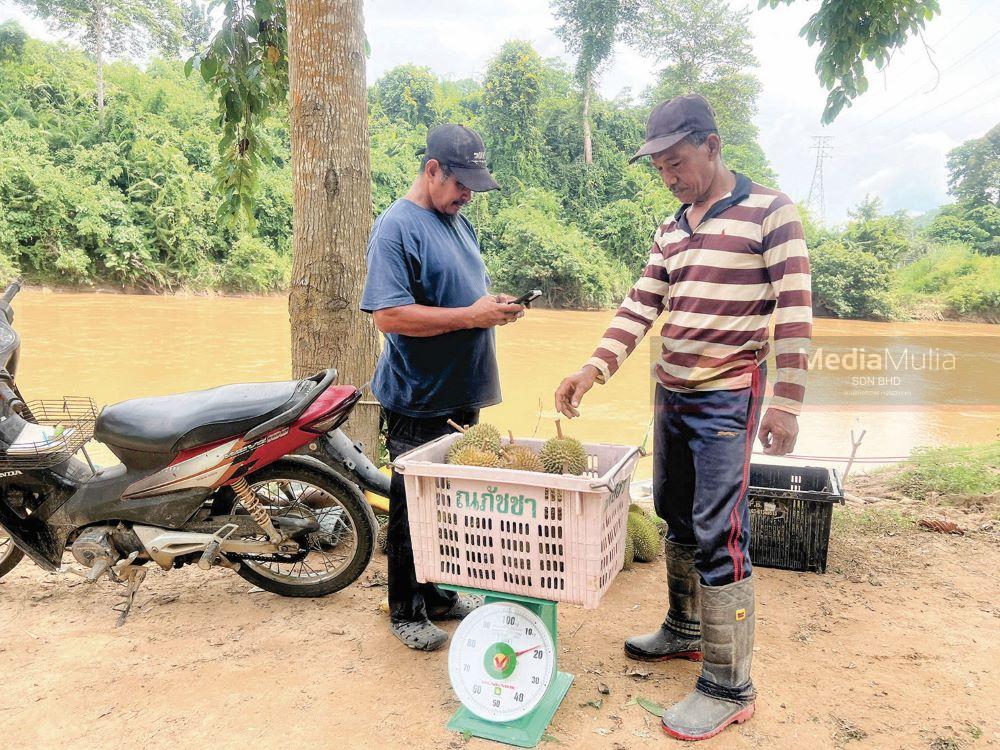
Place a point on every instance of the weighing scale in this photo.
(503, 668)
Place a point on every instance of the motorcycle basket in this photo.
(55, 430)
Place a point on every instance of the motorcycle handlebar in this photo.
(10, 293)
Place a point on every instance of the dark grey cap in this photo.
(461, 150)
(676, 118)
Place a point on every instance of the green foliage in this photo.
(129, 26)
(536, 248)
(129, 203)
(885, 237)
(408, 93)
(197, 25)
(952, 471)
(246, 65)
(974, 170)
(954, 229)
(12, 39)
(512, 92)
(254, 266)
(705, 48)
(851, 32)
(589, 29)
(849, 282)
(964, 282)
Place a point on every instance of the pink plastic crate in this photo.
(547, 536)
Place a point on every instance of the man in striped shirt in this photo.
(732, 259)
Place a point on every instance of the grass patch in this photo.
(873, 521)
(943, 472)
(961, 281)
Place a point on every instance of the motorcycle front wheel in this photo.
(332, 557)
(10, 555)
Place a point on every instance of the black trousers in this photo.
(410, 600)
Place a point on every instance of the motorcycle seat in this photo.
(169, 424)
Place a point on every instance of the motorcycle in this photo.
(257, 478)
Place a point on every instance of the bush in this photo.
(537, 250)
(954, 229)
(849, 282)
(254, 266)
(74, 265)
(964, 281)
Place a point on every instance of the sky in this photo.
(892, 143)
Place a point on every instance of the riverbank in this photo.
(894, 647)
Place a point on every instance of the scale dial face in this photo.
(501, 661)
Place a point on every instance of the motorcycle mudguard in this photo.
(33, 537)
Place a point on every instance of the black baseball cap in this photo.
(675, 119)
(461, 150)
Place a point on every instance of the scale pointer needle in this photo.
(519, 653)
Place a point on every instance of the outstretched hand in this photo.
(571, 390)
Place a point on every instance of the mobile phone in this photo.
(527, 298)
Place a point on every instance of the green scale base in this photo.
(528, 730)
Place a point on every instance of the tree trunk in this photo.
(588, 153)
(100, 39)
(332, 214)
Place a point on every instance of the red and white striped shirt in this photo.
(721, 283)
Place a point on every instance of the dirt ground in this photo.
(896, 646)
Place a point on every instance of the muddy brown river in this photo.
(113, 347)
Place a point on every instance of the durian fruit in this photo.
(563, 455)
(659, 523)
(484, 436)
(645, 537)
(520, 457)
(469, 455)
(629, 552)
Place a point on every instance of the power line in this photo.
(917, 90)
(990, 77)
(821, 145)
(970, 109)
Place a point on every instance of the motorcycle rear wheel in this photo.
(336, 555)
(10, 555)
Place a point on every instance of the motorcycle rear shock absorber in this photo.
(249, 500)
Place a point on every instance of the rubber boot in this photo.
(679, 637)
(724, 694)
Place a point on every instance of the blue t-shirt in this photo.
(418, 256)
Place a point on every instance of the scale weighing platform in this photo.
(503, 668)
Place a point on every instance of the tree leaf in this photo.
(654, 708)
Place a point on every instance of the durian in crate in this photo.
(520, 457)
(563, 455)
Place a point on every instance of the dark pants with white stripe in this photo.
(702, 443)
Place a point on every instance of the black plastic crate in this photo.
(790, 512)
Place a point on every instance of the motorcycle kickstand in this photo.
(133, 579)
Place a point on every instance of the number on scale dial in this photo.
(501, 661)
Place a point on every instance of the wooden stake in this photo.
(559, 428)
(458, 427)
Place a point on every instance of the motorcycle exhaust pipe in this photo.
(339, 448)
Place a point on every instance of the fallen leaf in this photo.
(654, 708)
(603, 689)
(596, 704)
(642, 674)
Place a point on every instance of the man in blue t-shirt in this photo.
(427, 291)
